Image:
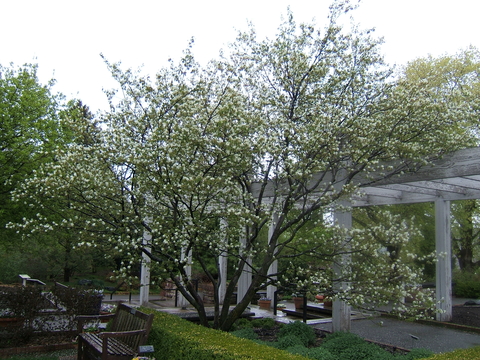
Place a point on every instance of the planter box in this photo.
(11, 322)
(298, 301)
(264, 304)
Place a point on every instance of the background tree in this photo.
(277, 129)
(32, 129)
(28, 124)
(460, 71)
(465, 234)
(29, 132)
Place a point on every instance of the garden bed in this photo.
(42, 344)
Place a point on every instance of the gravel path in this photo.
(410, 335)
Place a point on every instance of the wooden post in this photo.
(444, 260)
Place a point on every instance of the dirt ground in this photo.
(468, 315)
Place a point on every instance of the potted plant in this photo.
(298, 301)
(107, 309)
(327, 301)
(264, 303)
(281, 307)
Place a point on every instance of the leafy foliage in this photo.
(299, 329)
(23, 303)
(288, 341)
(467, 285)
(419, 354)
(245, 333)
(176, 338)
(265, 323)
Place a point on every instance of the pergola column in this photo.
(182, 301)
(444, 260)
(341, 310)
(273, 269)
(145, 270)
(222, 265)
(245, 279)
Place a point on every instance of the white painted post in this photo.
(182, 301)
(444, 260)
(245, 279)
(273, 269)
(222, 264)
(341, 310)
(145, 270)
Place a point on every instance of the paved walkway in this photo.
(408, 335)
(403, 334)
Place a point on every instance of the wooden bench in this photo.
(129, 330)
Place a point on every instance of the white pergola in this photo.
(455, 176)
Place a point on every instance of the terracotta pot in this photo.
(264, 304)
(298, 301)
(327, 303)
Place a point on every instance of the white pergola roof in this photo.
(454, 177)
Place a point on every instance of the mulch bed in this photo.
(41, 344)
(466, 315)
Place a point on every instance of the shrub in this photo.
(304, 332)
(365, 351)
(338, 342)
(460, 354)
(265, 323)
(245, 333)
(241, 323)
(418, 354)
(25, 304)
(175, 338)
(320, 353)
(78, 301)
(288, 341)
(298, 350)
(467, 285)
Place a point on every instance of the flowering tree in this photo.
(202, 159)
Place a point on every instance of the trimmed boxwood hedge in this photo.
(176, 338)
(460, 354)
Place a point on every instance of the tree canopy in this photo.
(29, 132)
(203, 158)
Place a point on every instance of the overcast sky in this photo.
(65, 37)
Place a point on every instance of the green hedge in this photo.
(176, 338)
(461, 354)
(467, 285)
